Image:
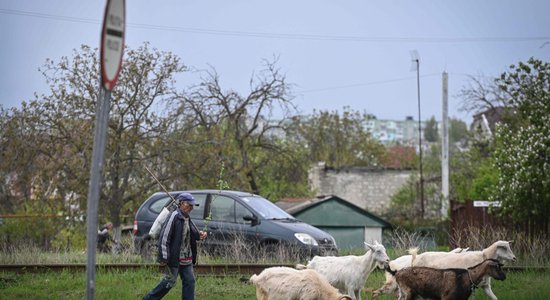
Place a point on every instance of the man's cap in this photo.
(187, 198)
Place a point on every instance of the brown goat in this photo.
(444, 284)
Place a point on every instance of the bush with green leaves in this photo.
(522, 155)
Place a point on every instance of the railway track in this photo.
(201, 269)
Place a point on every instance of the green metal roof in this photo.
(333, 211)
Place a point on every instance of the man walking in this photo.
(178, 250)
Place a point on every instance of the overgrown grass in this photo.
(23, 253)
(28, 253)
(135, 284)
(237, 251)
(530, 250)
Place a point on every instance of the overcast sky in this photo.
(337, 53)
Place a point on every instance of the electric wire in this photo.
(286, 36)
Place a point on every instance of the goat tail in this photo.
(301, 267)
(253, 279)
(413, 252)
(389, 270)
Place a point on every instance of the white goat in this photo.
(349, 273)
(283, 283)
(499, 250)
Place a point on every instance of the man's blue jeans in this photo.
(169, 281)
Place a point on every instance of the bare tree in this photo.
(57, 130)
(237, 126)
(481, 94)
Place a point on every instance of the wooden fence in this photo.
(466, 215)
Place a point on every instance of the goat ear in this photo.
(368, 245)
(509, 242)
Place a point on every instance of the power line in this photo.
(272, 35)
(365, 84)
(48, 16)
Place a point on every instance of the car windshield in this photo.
(266, 208)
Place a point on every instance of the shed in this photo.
(349, 224)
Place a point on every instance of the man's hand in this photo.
(202, 234)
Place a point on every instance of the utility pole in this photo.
(445, 150)
(416, 61)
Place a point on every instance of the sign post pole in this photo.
(112, 47)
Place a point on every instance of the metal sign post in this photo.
(112, 47)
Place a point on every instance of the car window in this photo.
(222, 208)
(157, 206)
(240, 212)
(198, 211)
(266, 208)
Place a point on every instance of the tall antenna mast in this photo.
(416, 65)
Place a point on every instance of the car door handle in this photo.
(213, 227)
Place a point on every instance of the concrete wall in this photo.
(366, 188)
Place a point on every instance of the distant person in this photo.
(103, 237)
(178, 250)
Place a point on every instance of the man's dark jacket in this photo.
(171, 237)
